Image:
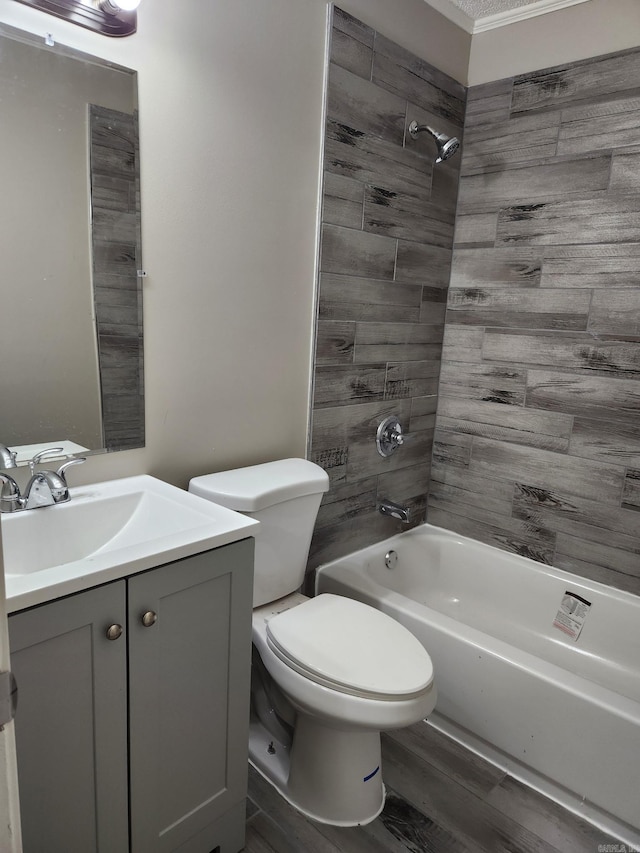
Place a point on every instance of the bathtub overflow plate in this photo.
(391, 559)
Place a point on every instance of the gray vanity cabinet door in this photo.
(71, 723)
(189, 672)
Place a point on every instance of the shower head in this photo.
(447, 145)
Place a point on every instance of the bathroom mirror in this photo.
(71, 351)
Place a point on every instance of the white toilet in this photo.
(328, 673)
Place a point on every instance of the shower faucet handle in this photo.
(390, 436)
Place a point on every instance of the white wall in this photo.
(577, 32)
(230, 132)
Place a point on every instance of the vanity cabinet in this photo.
(133, 706)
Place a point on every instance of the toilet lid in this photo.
(351, 647)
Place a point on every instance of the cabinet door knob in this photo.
(114, 631)
(149, 618)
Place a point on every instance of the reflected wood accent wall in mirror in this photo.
(117, 295)
(71, 343)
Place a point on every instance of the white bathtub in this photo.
(561, 714)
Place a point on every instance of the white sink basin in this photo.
(106, 531)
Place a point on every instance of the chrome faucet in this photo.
(45, 488)
(401, 513)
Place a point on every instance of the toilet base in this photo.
(329, 775)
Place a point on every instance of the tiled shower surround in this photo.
(387, 234)
(538, 443)
(537, 447)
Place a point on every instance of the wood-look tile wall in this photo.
(537, 448)
(387, 234)
(115, 210)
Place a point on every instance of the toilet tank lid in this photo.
(258, 486)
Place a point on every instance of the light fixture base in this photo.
(89, 16)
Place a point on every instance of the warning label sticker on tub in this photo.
(570, 617)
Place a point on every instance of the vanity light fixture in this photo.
(115, 7)
(116, 18)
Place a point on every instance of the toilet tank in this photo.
(284, 496)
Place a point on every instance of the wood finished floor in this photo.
(441, 798)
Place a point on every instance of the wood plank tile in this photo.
(343, 201)
(611, 557)
(350, 535)
(498, 267)
(364, 106)
(625, 168)
(348, 502)
(454, 808)
(587, 79)
(597, 265)
(350, 252)
(488, 103)
(407, 216)
(445, 495)
(421, 264)
(513, 424)
(588, 396)
(615, 311)
(573, 350)
(405, 483)
(335, 385)
(423, 413)
(335, 342)
(356, 298)
(521, 138)
(491, 383)
(561, 512)
(283, 823)
(531, 308)
(600, 219)
(411, 379)
(369, 159)
(339, 426)
(468, 488)
(462, 343)
(547, 470)
(373, 838)
(606, 441)
(368, 312)
(546, 819)
(459, 764)
(400, 71)
(347, 24)
(397, 342)
(547, 179)
(365, 461)
(351, 54)
(420, 68)
(474, 229)
(416, 831)
(608, 124)
(631, 492)
(264, 836)
(596, 572)
(502, 532)
(452, 449)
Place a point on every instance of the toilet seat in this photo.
(351, 648)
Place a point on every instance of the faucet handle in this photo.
(75, 461)
(8, 457)
(50, 451)
(9, 494)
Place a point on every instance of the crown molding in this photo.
(540, 7)
(502, 19)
